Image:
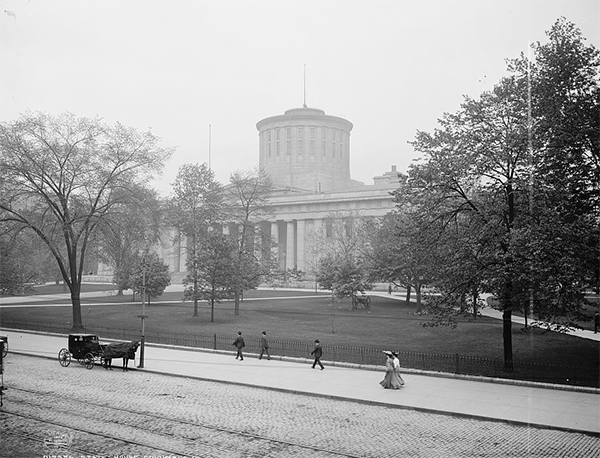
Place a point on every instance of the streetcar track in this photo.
(94, 433)
(199, 425)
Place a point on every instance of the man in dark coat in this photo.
(264, 346)
(317, 352)
(239, 344)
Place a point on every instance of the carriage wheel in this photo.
(64, 357)
(89, 361)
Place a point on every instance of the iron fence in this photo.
(450, 363)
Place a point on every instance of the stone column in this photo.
(258, 241)
(290, 255)
(300, 244)
(275, 241)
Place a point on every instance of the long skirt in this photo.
(392, 380)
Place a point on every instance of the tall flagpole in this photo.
(304, 105)
(530, 151)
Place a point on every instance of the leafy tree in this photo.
(150, 276)
(344, 275)
(16, 266)
(342, 264)
(215, 263)
(248, 198)
(498, 168)
(130, 228)
(62, 175)
(401, 255)
(197, 205)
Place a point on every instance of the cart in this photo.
(3, 351)
(361, 300)
(4, 339)
(85, 348)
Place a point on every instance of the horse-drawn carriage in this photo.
(87, 350)
(4, 340)
(361, 300)
(3, 352)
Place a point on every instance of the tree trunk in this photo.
(212, 310)
(195, 293)
(507, 327)
(418, 291)
(76, 301)
(463, 303)
(237, 302)
(475, 297)
(408, 290)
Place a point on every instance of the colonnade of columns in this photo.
(290, 242)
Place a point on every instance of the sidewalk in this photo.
(526, 403)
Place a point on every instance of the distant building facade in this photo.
(307, 155)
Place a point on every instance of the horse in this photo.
(120, 350)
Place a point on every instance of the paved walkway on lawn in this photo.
(536, 404)
(30, 301)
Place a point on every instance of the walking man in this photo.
(239, 344)
(264, 346)
(317, 352)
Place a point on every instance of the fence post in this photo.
(457, 364)
(215, 341)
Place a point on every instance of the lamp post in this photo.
(143, 315)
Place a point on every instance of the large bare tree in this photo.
(60, 176)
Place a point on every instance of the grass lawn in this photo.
(306, 316)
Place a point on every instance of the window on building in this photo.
(288, 137)
(300, 141)
(333, 144)
(348, 227)
(328, 228)
(269, 142)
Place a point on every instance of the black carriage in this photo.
(361, 300)
(3, 351)
(85, 348)
(4, 340)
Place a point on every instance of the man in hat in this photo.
(317, 352)
(239, 344)
(264, 346)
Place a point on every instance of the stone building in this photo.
(307, 155)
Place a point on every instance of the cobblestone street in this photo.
(50, 410)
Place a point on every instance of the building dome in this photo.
(305, 149)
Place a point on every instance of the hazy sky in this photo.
(177, 66)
